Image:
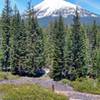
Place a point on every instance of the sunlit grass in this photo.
(7, 76)
(28, 92)
(87, 85)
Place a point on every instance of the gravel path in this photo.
(59, 88)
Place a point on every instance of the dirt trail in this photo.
(59, 88)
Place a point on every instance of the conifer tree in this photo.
(35, 43)
(95, 49)
(1, 52)
(96, 62)
(94, 43)
(16, 20)
(49, 45)
(67, 51)
(59, 42)
(19, 38)
(6, 22)
(22, 50)
(94, 35)
(77, 55)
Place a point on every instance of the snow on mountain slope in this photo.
(55, 7)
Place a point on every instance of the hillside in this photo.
(28, 92)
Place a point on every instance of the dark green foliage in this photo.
(59, 42)
(18, 44)
(69, 52)
(48, 46)
(35, 46)
(6, 23)
(94, 36)
(77, 48)
(19, 38)
(95, 52)
(16, 34)
(93, 44)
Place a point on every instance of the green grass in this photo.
(28, 92)
(7, 75)
(65, 81)
(87, 85)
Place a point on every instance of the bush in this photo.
(86, 85)
(7, 76)
(39, 72)
(28, 72)
(65, 81)
(81, 79)
(98, 79)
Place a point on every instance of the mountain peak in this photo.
(55, 7)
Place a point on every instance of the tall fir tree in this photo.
(96, 63)
(16, 20)
(19, 47)
(1, 52)
(78, 49)
(35, 43)
(59, 42)
(94, 35)
(67, 51)
(22, 50)
(49, 45)
(6, 23)
(95, 54)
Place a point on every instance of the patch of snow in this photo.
(55, 7)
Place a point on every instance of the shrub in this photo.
(65, 81)
(7, 76)
(87, 85)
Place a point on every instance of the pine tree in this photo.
(35, 43)
(19, 47)
(59, 42)
(94, 35)
(94, 44)
(6, 18)
(16, 20)
(1, 52)
(96, 62)
(22, 50)
(49, 46)
(67, 51)
(95, 54)
(77, 55)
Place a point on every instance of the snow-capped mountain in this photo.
(49, 10)
(52, 8)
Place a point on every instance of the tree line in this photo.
(68, 51)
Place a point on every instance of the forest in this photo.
(26, 48)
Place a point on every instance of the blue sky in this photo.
(91, 5)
